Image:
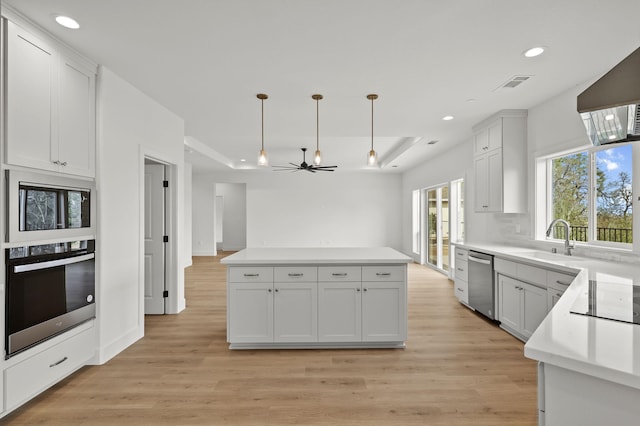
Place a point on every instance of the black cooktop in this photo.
(610, 300)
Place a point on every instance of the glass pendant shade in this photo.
(372, 159)
(262, 158)
(317, 158)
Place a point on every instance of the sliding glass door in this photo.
(436, 224)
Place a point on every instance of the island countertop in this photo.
(317, 256)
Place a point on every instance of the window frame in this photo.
(544, 203)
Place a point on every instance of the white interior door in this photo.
(154, 245)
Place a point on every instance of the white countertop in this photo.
(602, 348)
(317, 256)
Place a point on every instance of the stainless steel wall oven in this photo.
(50, 289)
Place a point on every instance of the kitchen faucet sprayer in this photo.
(567, 229)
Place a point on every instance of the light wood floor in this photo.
(457, 369)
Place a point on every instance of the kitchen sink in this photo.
(551, 257)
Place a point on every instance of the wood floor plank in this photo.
(457, 369)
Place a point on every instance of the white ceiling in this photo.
(207, 59)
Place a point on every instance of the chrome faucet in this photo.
(567, 229)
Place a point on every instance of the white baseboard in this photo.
(107, 352)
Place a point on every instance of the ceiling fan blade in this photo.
(325, 170)
(324, 167)
(295, 165)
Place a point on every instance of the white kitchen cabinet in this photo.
(251, 312)
(295, 304)
(340, 311)
(461, 274)
(383, 311)
(50, 103)
(488, 138)
(522, 306)
(500, 163)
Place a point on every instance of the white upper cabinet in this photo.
(50, 106)
(500, 163)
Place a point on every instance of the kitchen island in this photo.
(305, 298)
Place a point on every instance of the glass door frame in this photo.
(425, 228)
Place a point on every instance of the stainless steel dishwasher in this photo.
(481, 289)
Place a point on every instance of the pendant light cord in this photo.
(262, 124)
(372, 99)
(317, 123)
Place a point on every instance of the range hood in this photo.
(610, 107)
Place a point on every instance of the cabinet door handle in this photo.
(296, 275)
(383, 274)
(339, 274)
(459, 289)
(276, 290)
(364, 289)
(562, 282)
(559, 294)
(59, 362)
(64, 163)
(251, 275)
(269, 290)
(460, 269)
(357, 289)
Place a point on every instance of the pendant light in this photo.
(317, 158)
(262, 159)
(372, 159)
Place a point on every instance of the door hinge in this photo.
(165, 239)
(165, 293)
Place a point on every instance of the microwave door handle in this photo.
(52, 263)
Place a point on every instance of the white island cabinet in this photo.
(316, 298)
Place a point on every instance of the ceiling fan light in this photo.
(372, 160)
(317, 158)
(262, 159)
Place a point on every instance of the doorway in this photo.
(435, 239)
(155, 237)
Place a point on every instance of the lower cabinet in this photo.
(280, 312)
(28, 378)
(522, 306)
(341, 305)
(383, 312)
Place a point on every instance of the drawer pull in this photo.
(251, 275)
(562, 282)
(357, 289)
(296, 275)
(461, 290)
(59, 362)
(383, 274)
(339, 274)
(460, 269)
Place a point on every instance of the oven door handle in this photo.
(52, 263)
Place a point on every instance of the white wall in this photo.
(203, 216)
(130, 125)
(310, 210)
(234, 214)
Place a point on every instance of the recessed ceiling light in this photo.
(608, 117)
(533, 52)
(67, 22)
(242, 160)
(447, 117)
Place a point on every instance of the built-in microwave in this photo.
(46, 207)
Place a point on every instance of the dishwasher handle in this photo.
(478, 260)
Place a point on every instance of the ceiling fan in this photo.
(305, 166)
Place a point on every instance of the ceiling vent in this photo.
(513, 82)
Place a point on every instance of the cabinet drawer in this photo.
(283, 274)
(383, 273)
(339, 273)
(555, 279)
(461, 254)
(461, 290)
(254, 274)
(462, 270)
(33, 375)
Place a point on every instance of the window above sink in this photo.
(592, 189)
